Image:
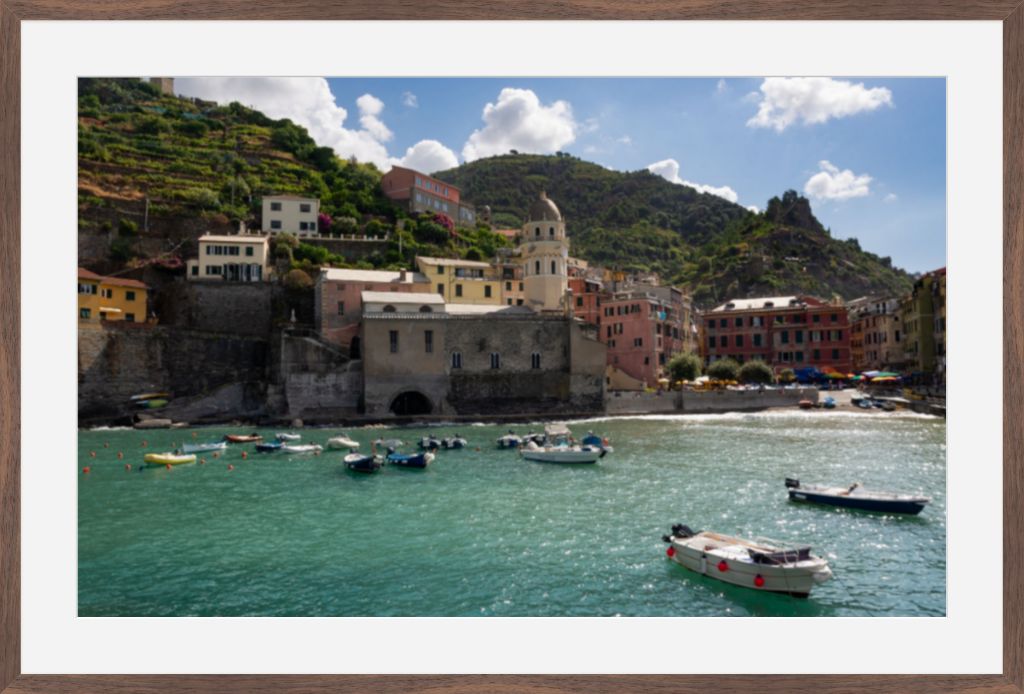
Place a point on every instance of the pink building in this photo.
(643, 331)
(339, 304)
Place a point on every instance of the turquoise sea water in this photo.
(487, 533)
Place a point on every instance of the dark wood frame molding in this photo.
(1009, 12)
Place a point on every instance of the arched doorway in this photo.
(354, 348)
(411, 402)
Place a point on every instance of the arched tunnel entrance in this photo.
(411, 402)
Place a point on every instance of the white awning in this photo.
(104, 309)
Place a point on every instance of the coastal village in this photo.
(532, 329)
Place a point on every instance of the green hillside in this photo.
(637, 221)
(157, 171)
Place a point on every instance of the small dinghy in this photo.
(341, 441)
(269, 447)
(453, 442)
(357, 462)
(561, 454)
(430, 443)
(417, 460)
(243, 438)
(806, 404)
(388, 443)
(297, 448)
(856, 497)
(204, 447)
(288, 437)
(168, 458)
(830, 403)
(509, 440)
(758, 564)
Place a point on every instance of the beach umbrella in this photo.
(887, 374)
(872, 374)
(884, 379)
(834, 374)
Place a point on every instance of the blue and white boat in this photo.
(269, 447)
(453, 442)
(284, 436)
(509, 440)
(204, 447)
(417, 460)
(595, 441)
(430, 443)
(856, 497)
(357, 462)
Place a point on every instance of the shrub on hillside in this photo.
(193, 128)
(152, 125)
(297, 279)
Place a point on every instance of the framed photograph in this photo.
(504, 355)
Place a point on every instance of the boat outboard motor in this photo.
(792, 483)
(683, 531)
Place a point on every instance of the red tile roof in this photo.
(115, 281)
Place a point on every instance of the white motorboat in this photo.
(204, 447)
(509, 440)
(758, 564)
(561, 454)
(301, 448)
(288, 437)
(341, 441)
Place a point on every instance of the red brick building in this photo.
(422, 193)
(786, 332)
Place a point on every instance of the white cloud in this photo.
(519, 121)
(754, 208)
(891, 197)
(625, 140)
(832, 184)
(669, 170)
(428, 156)
(409, 99)
(370, 108)
(307, 101)
(787, 100)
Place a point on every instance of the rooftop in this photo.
(289, 196)
(454, 262)
(233, 238)
(403, 298)
(473, 309)
(544, 209)
(115, 281)
(760, 302)
(349, 275)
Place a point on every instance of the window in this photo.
(551, 231)
(535, 360)
(84, 313)
(785, 337)
(275, 224)
(129, 317)
(275, 207)
(389, 309)
(835, 354)
(711, 341)
(579, 301)
(305, 226)
(509, 301)
(536, 232)
(426, 309)
(723, 341)
(722, 323)
(520, 286)
(756, 321)
(456, 360)
(816, 354)
(341, 308)
(107, 293)
(739, 322)
(553, 270)
(440, 289)
(638, 342)
(487, 291)
(799, 356)
(305, 207)
(739, 340)
(195, 270)
(458, 290)
(835, 317)
(508, 286)
(129, 296)
(495, 360)
(817, 318)
(428, 341)
(393, 338)
(757, 340)
(799, 336)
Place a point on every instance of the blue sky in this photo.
(870, 153)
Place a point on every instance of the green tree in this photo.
(724, 370)
(755, 372)
(685, 366)
(787, 376)
(297, 279)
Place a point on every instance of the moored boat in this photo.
(592, 439)
(806, 404)
(830, 403)
(341, 441)
(453, 442)
(269, 447)
(297, 448)
(168, 458)
(759, 564)
(509, 440)
(284, 436)
(560, 447)
(204, 447)
(856, 497)
(430, 443)
(357, 462)
(243, 438)
(417, 460)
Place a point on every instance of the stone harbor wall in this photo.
(624, 402)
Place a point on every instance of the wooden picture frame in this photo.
(1009, 12)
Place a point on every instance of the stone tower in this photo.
(545, 252)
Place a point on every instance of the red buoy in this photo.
(216, 455)
(244, 455)
(671, 551)
(759, 580)
(722, 566)
(85, 470)
(92, 454)
(144, 444)
(120, 455)
(230, 466)
(168, 466)
(128, 466)
(106, 445)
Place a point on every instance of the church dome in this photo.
(544, 210)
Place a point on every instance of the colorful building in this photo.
(923, 323)
(293, 214)
(418, 192)
(875, 334)
(110, 298)
(643, 330)
(510, 271)
(786, 332)
(241, 258)
(462, 281)
(338, 306)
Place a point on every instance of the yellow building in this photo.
(110, 298)
(462, 281)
